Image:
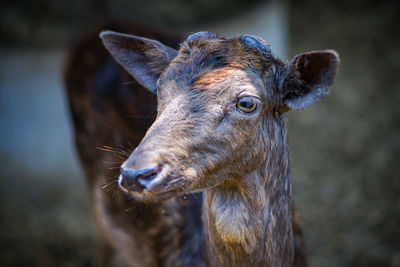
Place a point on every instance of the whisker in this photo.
(108, 184)
(132, 82)
(113, 150)
(130, 145)
(111, 162)
(114, 168)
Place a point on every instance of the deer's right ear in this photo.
(143, 58)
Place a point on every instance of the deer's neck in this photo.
(249, 223)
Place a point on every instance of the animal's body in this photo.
(209, 184)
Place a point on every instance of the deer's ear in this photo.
(143, 58)
(307, 78)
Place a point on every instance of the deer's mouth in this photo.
(154, 184)
(149, 197)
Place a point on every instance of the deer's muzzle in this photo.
(152, 184)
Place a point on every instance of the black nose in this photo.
(138, 180)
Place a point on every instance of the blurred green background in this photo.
(344, 149)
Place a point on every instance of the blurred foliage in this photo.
(345, 149)
(49, 23)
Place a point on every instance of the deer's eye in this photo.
(246, 104)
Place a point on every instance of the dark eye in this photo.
(246, 104)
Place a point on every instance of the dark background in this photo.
(344, 150)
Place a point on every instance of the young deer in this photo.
(221, 130)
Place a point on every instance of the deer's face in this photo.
(218, 102)
(202, 135)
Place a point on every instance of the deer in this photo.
(209, 182)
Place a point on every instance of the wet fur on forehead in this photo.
(202, 54)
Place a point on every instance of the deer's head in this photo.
(221, 108)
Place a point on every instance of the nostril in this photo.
(138, 180)
(147, 177)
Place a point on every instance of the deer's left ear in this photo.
(307, 78)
